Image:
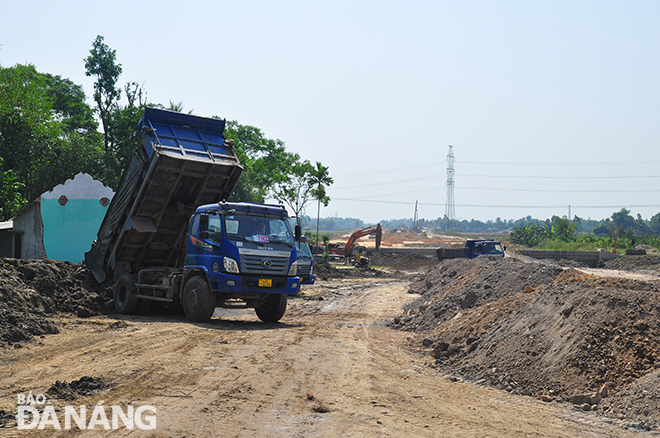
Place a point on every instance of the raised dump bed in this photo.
(181, 162)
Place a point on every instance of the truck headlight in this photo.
(230, 265)
(311, 270)
(293, 270)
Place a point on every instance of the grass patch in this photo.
(558, 245)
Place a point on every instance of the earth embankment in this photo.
(535, 328)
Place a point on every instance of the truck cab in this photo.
(246, 253)
(475, 248)
(305, 262)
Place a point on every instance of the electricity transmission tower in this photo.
(450, 206)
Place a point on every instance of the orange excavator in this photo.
(347, 250)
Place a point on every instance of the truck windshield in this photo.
(303, 250)
(493, 248)
(258, 229)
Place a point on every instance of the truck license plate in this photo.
(265, 282)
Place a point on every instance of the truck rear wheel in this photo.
(125, 295)
(198, 300)
(273, 308)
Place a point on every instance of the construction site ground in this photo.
(402, 239)
(485, 347)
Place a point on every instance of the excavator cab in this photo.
(360, 256)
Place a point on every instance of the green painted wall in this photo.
(70, 230)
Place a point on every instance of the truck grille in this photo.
(264, 263)
(303, 270)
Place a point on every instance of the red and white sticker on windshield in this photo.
(261, 238)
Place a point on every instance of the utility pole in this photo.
(415, 218)
(450, 206)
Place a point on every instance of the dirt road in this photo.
(331, 368)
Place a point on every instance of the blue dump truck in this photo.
(168, 235)
(472, 249)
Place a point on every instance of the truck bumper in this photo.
(308, 279)
(229, 283)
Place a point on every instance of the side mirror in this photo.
(298, 232)
(203, 223)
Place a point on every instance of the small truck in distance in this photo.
(473, 248)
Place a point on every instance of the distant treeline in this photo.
(621, 219)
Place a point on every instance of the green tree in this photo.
(616, 232)
(46, 134)
(642, 228)
(319, 179)
(123, 136)
(68, 104)
(11, 199)
(102, 64)
(26, 119)
(654, 223)
(296, 190)
(622, 219)
(177, 106)
(563, 229)
(265, 161)
(529, 235)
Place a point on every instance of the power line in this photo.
(556, 177)
(436, 189)
(573, 206)
(425, 178)
(562, 163)
(501, 163)
(382, 171)
(560, 190)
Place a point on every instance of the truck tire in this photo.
(198, 300)
(125, 295)
(143, 306)
(273, 308)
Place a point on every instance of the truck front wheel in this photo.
(198, 300)
(125, 295)
(273, 308)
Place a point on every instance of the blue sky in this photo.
(546, 104)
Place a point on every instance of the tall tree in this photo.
(26, 118)
(266, 162)
(296, 190)
(623, 220)
(654, 223)
(319, 179)
(102, 64)
(563, 229)
(11, 199)
(46, 133)
(177, 106)
(69, 106)
(122, 134)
